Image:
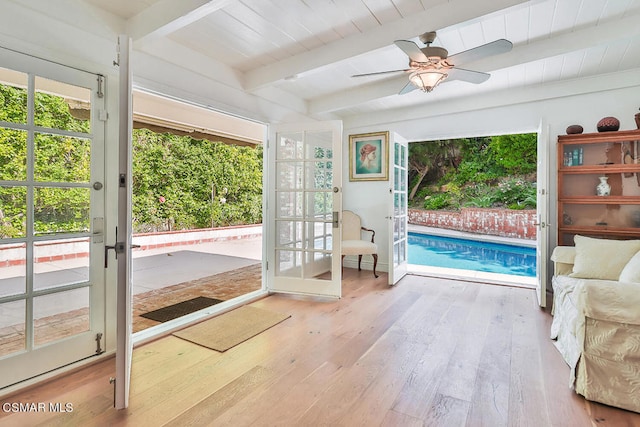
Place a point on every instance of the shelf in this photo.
(600, 200)
(595, 138)
(600, 230)
(582, 160)
(601, 169)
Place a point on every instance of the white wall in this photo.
(369, 199)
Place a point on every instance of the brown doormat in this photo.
(231, 328)
(180, 309)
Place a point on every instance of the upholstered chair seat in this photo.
(352, 242)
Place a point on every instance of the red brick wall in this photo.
(498, 222)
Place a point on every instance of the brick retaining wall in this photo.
(498, 222)
(14, 254)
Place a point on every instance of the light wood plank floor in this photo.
(427, 352)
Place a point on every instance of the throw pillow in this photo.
(602, 258)
(631, 272)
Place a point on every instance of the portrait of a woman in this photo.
(368, 160)
(369, 156)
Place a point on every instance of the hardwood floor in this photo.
(430, 352)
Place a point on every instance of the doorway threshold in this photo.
(166, 328)
(473, 276)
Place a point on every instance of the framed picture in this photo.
(369, 157)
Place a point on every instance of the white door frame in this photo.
(542, 214)
(122, 237)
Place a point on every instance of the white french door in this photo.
(542, 208)
(304, 204)
(52, 288)
(124, 234)
(399, 211)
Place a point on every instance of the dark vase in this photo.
(637, 117)
(608, 124)
(574, 129)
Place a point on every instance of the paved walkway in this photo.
(156, 268)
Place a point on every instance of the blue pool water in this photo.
(437, 251)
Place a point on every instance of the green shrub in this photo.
(516, 192)
(437, 201)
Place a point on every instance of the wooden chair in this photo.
(352, 243)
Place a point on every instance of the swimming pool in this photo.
(464, 254)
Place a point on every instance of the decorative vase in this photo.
(608, 124)
(575, 129)
(603, 188)
(637, 117)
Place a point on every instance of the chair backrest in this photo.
(351, 226)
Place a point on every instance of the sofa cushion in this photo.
(564, 254)
(631, 272)
(602, 258)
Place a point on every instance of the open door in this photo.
(304, 204)
(542, 204)
(123, 234)
(52, 210)
(398, 234)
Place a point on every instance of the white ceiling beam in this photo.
(545, 48)
(180, 56)
(166, 16)
(169, 51)
(513, 96)
(81, 15)
(561, 44)
(440, 16)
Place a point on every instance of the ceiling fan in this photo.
(429, 66)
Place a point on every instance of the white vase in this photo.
(603, 188)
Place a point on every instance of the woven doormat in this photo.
(232, 328)
(180, 309)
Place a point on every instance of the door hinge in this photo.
(103, 116)
(100, 92)
(98, 339)
(113, 382)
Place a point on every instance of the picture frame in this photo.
(369, 156)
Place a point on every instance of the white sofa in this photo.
(596, 318)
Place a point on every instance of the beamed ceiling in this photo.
(273, 59)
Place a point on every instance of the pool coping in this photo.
(479, 276)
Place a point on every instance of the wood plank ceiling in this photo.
(301, 54)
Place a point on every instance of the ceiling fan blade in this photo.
(407, 88)
(480, 52)
(470, 76)
(412, 50)
(379, 72)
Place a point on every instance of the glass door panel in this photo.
(51, 255)
(303, 220)
(399, 211)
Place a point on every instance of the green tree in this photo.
(183, 183)
(517, 154)
(430, 156)
(483, 172)
(178, 182)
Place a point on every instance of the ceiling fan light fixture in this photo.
(427, 80)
